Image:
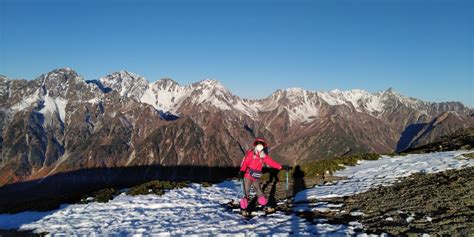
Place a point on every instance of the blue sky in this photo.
(421, 48)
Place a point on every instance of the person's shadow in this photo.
(298, 180)
(298, 185)
(273, 180)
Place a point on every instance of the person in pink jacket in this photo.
(251, 171)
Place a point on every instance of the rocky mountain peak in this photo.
(128, 75)
(122, 76)
(166, 83)
(295, 91)
(289, 92)
(291, 95)
(208, 89)
(209, 84)
(126, 83)
(59, 81)
(390, 93)
(61, 74)
(390, 90)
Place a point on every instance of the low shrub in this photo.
(155, 187)
(105, 195)
(205, 184)
(469, 155)
(330, 165)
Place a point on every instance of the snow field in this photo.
(197, 210)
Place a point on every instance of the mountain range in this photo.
(61, 122)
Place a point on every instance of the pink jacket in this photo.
(255, 162)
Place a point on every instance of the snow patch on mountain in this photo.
(329, 98)
(210, 83)
(167, 95)
(94, 101)
(25, 102)
(361, 100)
(127, 84)
(211, 92)
(164, 95)
(300, 104)
(149, 97)
(52, 105)
(246, 108)
(301, 108)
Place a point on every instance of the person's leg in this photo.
(262, 200)
(247, 185)
(244, 201)
(257, 188)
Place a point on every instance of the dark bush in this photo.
(205, 184)
(105, 195)
(155, 187)
(469, 155)
(331, 165)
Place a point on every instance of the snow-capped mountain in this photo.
(59, 122)
(301, 105)
(168, 96)
(125, 83)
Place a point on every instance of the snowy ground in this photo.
(198, 210)
(385, 171)
(192, 210)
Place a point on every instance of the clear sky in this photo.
(421, 48)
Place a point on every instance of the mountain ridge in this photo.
(60, 121)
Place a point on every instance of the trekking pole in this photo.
(286, 186)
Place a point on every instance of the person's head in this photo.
(260, 144)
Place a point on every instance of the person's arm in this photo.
(245, 162)
(269, 161)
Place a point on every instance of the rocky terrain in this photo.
(60, 122)
(440, 204)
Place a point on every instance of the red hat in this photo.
(258, 140)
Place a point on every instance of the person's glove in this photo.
(286, 167)
(241, 174)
